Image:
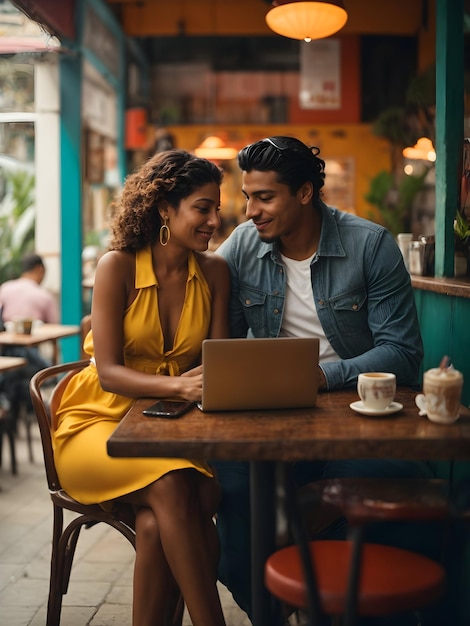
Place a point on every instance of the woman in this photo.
(158, 293)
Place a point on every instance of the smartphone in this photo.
(168, 408)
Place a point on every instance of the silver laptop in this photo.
(274, 373)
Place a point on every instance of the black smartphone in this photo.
(168, 408)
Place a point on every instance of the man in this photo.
(24, 297)
(301, 268)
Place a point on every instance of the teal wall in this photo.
(445, 328)
(71, 199)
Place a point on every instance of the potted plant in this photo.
(461, 244)
(17, 223)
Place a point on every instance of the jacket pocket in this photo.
(350, 312)
(254, 303)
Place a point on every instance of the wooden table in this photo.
(41, 334)
(11, 363)
(329, 431)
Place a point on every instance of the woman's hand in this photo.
(192, 384)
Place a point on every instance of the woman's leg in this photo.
(180, 501)
(156, 593)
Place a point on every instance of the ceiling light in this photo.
(422, 150)
(214, 148)
(306, 20)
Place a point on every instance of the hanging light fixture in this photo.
(306, 20)
(422, 150)
(215, 149)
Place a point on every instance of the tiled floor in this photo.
(100, 591)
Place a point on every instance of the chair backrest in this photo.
(45, 410)
(85, 327)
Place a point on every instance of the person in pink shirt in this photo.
(24, 297)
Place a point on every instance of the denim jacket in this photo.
(362, 294)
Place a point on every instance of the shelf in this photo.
(459, 287)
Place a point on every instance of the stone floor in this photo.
(100, 591)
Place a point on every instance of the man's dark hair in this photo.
(293, 161)
(30, 261)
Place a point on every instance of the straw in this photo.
(443, 363)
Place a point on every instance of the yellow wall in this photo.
(369, 154)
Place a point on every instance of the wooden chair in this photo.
(85, 327)
(353, 577)
(64, 540)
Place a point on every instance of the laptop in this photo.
(261, 373)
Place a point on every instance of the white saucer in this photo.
(360, 408)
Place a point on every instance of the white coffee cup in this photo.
(442, 393)
(376, 389)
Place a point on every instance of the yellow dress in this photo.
(87, 415)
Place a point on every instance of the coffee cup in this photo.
(23, 326)
(27, 326)
(442, 393)
(376, 389)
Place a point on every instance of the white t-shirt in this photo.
(300, 314)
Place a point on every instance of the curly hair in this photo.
(166, 178)
(293, 161)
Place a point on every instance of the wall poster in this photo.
(320, 74)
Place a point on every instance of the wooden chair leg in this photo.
(28, 418)
(12, 444)
(7, 428)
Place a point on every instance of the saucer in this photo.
(359, 407)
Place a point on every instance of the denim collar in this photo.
(330, 238)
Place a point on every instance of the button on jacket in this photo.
(362, 294)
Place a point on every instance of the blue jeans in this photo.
(233, 517)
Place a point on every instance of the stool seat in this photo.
(363, 500)
(392, 580)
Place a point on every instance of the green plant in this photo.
(17, 223)
(395, 201)
(461, 227)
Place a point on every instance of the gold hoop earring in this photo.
(164, 232)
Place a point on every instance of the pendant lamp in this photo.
(422, 150)
(307, 20)
(214, 148)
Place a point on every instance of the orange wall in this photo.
(247, 17)
(369, 153)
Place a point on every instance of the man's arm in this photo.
(392, 320)
(51, 309)
(238, 325)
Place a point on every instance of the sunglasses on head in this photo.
(277, 144)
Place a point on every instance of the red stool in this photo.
(350, 578)
(391, 580)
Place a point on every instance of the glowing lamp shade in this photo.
(422, 150)
(215, 149)
(306, 20)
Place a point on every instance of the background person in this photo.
(25, 297)
(300, 268)
(158, 294)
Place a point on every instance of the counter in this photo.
(459, 287)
